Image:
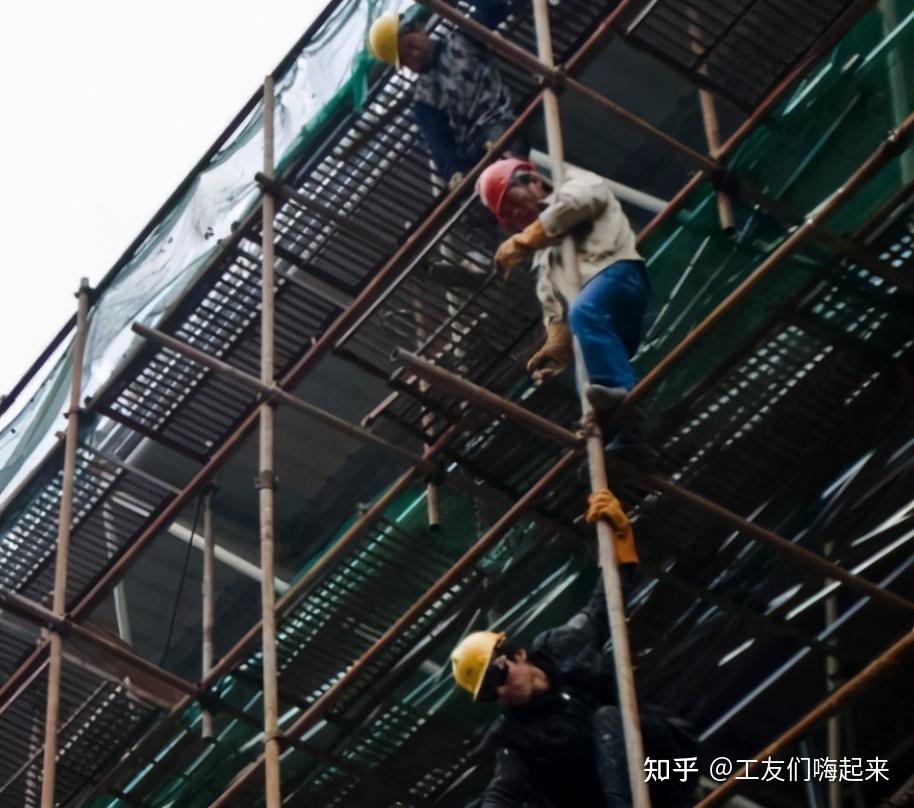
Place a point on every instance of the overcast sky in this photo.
(107, 106)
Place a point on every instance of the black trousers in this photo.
(663, 740)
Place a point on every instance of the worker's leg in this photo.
(663, 740)
(606, 318)
(609, 746)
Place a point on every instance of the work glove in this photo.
(517, 249)
(455, 180)
(555, 354)
(604, 505)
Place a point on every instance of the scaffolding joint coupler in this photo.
(555, 80)
(266, 479)
(209, 701)
(270, 186)
(270, 396)
(896, 142)
(725, 180)
(436, 475)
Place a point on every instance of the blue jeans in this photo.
(607, 318)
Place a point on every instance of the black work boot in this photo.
(605, 400)
(626, 438)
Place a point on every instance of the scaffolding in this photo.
(776, 375)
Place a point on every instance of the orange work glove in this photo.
(604, 505)
(515, 250)
(555, 354)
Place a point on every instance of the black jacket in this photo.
(545, 749)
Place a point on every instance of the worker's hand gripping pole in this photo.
(615, 604)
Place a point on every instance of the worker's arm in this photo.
(582, 197)
(550, 299)
(508, 787)
(439, 138)
(575, 648)
(594, 613)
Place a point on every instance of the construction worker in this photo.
(559, 740)
(461, 100)
(607, 314)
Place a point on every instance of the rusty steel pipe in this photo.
(266, 476)
(457, 385)
(36, 613)
(274, 392)
(208, 605)
(883, 664)
(800, 555)
(596, 461)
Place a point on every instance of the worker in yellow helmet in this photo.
(559, 739)
(461, 100)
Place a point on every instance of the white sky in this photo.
(107, 105)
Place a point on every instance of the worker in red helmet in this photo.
(607, 314)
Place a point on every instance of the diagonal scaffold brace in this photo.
(799, 556)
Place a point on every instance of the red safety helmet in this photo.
(494, 182)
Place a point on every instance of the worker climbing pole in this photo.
(602, 327)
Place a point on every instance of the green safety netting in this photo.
(325, 75)
(800, 155)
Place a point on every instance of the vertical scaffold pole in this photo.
(712, 127)
(208, 595)
(61, 564)
(832, 683)
(615, 603)
(266, 480)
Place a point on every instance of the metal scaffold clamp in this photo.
(555, 79)
(266, 479)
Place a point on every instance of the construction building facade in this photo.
(297, 467)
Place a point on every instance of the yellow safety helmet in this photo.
(383, 36)
(471, 658)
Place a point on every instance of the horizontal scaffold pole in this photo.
(36, 613)
(801, 556)
(456, 385)
(450, 578)
(850, 690)
(272, 392)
